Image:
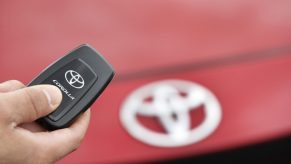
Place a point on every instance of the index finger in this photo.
(63, 141)
(11, 85)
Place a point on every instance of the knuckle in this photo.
(16, 82)
(77, 140)
(31, 102)
(43, 154)
(5, 113)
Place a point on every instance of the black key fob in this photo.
(81, 75)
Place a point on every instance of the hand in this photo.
(22, 140)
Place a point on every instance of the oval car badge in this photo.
(168, 98)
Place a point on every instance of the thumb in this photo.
(31, 103)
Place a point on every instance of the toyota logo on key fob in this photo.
(81, 75)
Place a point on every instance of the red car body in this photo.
(240, 50)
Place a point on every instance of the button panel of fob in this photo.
(81, 75)
(74, 79)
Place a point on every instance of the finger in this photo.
(11, 85)
(69, 138)
(32, 127)
(31, 103)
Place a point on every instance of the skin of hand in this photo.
(24, 141)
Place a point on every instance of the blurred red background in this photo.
(250, 41)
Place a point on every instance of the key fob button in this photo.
(74, 80)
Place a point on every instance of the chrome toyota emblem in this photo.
(170, 98)
(74, 79)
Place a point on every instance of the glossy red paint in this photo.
(221, 45)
